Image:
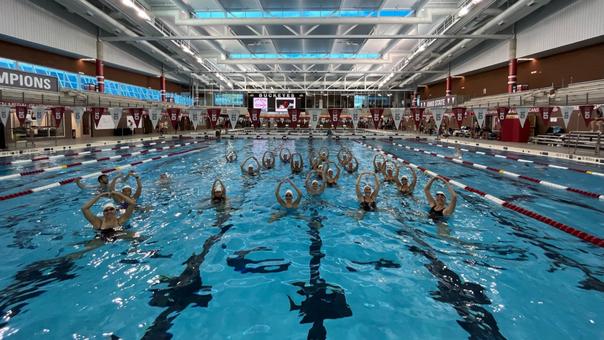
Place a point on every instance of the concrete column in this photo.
(513, 67)
(162, 86)
(449, 86)
(100, 72)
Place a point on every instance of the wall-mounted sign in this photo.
(26, 80)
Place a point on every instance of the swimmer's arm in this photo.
(376, 181)
(131, 206)
(92, 218)
(397, 181)
(451, 208)
(358, 188)
(337, 173)
(307, 182)
(414, 182)
(279, 199)
(299, 198)
(139, 187)
(81, 185)
(114, 182)
(427, 192)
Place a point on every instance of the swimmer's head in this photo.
(315, 184)
(103, 179)
(289, 196)
(127, 190)
(440, 197)
(218, 191)
(163, 176)
(330, 172)
(109, 210)
(250, 169)
(404, 179)
(389, 172)
(367, 190)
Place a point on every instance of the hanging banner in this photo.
(334, 115)
(567, 112)
(376, 116)
(586, 113)
(459, 114)
(195, 116)
(418, 115)
(97, 113)
(294, 117)
(213, 114)
(78, 112)
(438, 115)
(480, 114)
(21, 113)
(546, 113)
(174, 115)
(233, 116)
(255, 116)
(136, 114)
(116, 115)
(38, 112)
(397, 116)
(154, 115)
(4, 113)
(502, 112)
(57, 115)
(315, 114)
(522, 115)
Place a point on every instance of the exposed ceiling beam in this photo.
(306, 36)
(302, 61)
(329, 72)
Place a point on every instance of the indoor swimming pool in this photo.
(328, 270)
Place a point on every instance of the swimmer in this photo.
(379, 165)
(109, 221)
(164, 179)
(285, 155)
(403, 183)
(102, 187)
(352, 165)
(127, 190)
(268, 160)
(328, 174)
(389, 175)
(231, 156)
(438, 206)
(312, 185)
(320, 171)
(367, 196)
(250, 170)
(218, 192)
(297, 163)
(288, 202)
(458, 154)
(324, 154)
(344, 156)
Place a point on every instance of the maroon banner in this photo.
(459, 113)
(255, 117)
(294, 117)
(57, 113)
(136, 114)
(334, 114)
(97, 113)
(587, 113)
(21, 113)
(174, 114)
(418, 115)
(546, 113)
(213, 114)
(502, 112)
(376, 116)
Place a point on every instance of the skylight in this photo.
(304, 56)
(304, 13)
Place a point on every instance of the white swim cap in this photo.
(126, 187)
(405, 177)
(367, 187)
(289, 192)
(218, 188)
(315, 182)
(108, 205)
(440, 193)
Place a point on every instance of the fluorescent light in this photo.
(129, 3)
(186, 49)
(464, 10)
(421, 48)
(143, 14)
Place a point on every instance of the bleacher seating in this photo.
(537, 97)
(585, 140)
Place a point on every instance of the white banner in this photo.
(397, 115)
(116, 114)
(38, 112)
(480, 114)
(315, 114)
(567, 112)
(78, 113)
(233, 116)
(438, 114)
(4, 113)
(155, 115)
(356, 116)
(522, 114)
(195, 116)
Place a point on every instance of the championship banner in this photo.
(334, 114)
(38, 112)
(567, 112)
(546, 113)
(480, 114)
(233, 116)
(294, 117)
(57, 114)
(213, 114)
(586, 113)
(4, 114)
(459, 113)
(97, 113)
(522, 115)
(116, 115)
(78, 112)
(397, 115)
(154, 115)
(21, 113)
(438, 114)
(195, 116)
(255, 116)
(315, 114)
(502, 112)
(376, 116)
(174, 115)
(136, 114)
(418, 115)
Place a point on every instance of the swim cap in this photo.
(289, 192)
(315, 182)
(126, 187)
(218, 188)
(405, 177)
(440, 193)
(108, 205)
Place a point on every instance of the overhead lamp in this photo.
(421, 48)
(143, 14)
(464, 11)
(129, 3)
(186, 49)
(199, 60)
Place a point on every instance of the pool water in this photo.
(325, 271)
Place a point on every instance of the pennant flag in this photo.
(294, 117)
(480, 114)
(502, 112)
(78, 112)
(21, 111)
(376, 116)
(546, 113)
(418, 115)
(195, 116)
(586, 113)
(57, 115)
(255, 116)
(522, 115)
(38, 112)
(174, 115)
(233, 116)
(438, 114)
(155, 115)
(315, 114)
(136, 114)
(397, 115)
(567, 112)
(97, 113)
(459, 113)
(334, 115)
(4, 113)
(116, 115)
(213, 114)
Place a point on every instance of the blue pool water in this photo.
(324, 271)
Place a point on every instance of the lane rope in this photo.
(521, 160)
(97, 173)
(507, 173)
(558, 225)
